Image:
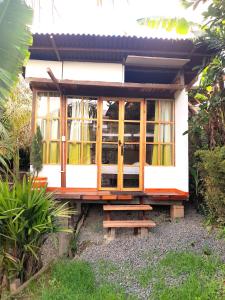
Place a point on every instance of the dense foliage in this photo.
(211, 164)
(207, 127)
(27, 215)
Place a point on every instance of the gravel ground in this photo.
(128, 253)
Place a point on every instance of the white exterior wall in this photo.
(38, 68)
(86, 71)
(81, 176)
(177, 176)
(86, 176)
(53, 173)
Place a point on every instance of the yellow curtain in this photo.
(79, 131)
(74, 153)
(86, 136)
(54, 147)
(165, 133)
(53, 153)
(156, 132)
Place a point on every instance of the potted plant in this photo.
(36, 158)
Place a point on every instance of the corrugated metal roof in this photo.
(82, 47)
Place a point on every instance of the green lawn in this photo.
(176, 276)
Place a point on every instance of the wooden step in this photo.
(127, 207)
(129, 224)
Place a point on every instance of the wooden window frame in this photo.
(159, 122)
(82, 119)
(48, 119)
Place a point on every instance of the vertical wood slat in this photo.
(99, 142)
(63, 146)
(142, 143)
(121, 138)
(34, 113)
(159, 129)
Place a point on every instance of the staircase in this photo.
(140, 225)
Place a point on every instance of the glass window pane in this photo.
(89, 130)
(131, 154)
(166, 155)
(89, 151)
(44, 149)
(130, 180)
(110, 110)
(109, 180)
(132, 111)
(54, 130)
(109, 154)
(166, 133)
(54, 153)
(131, 132)
(90, 108)
(42, 106)
(166, 111)
(74, 153)
(152, 110)
(74, 108)
(54, 107)
(152, 154)
(42, 124)
(74, 130)
(152, 131)
(110, 131)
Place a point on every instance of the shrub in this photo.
(36, 154)
(212, 169)
(27, 215)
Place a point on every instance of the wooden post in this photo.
(64, 238)
(176, 211)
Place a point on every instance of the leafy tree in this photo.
(37, 151)
(15, 37)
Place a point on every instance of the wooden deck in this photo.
(95, 196)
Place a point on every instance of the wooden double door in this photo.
(121, 144)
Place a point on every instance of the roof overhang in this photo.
(99, 88)
(156, 62)
(116, 49)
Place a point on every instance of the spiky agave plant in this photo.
(27, 216)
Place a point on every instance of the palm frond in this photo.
(15, 37)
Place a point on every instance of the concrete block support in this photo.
(176, 211)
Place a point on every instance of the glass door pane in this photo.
(109, 144)
(131, 145)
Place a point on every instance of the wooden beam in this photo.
(122, 51)
(55, 81)
(73, 83)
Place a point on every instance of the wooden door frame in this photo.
(121, 138)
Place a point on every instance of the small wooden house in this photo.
(113, 111)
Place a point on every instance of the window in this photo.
(160, 133)
(48, 119)
(81, 131)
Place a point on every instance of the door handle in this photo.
(122, 149)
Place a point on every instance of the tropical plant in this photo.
(16, 117)
(15, 36)
(36, 151)
(27, 216)
(211, 164)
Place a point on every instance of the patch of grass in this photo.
(145, 276)
(106, 268)
(185, 276)
(72, 280)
